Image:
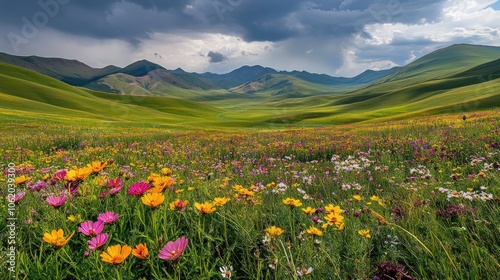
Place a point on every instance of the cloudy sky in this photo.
(336, 37)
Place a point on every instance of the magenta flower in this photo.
(116, 185)
(98, 241)
(90, 228)
(137, 189)
(113, 183)
(173, 250)
(59, 175)
(56, 201)
(107, 217)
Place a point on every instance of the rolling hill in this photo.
(459, 78)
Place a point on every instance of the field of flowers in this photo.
(412, 199)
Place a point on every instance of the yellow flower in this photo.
(333, 218)
(140, 251)
(339, 226)
(273, 231)
(292, 202)
(380, 218)
(101, 181)
(204, 208)
(220, 201)
(333, 209)
(152, 177)
(56, 238)
(74, 219)
(365, 233)
(309, 210)
(166, 171)
(78, 174)
(153, 200)
(116, 254)
(314, 231)
(21, 179)
(374, 198)
(357, 197)
(243, 191)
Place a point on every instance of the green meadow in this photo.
(283, 177)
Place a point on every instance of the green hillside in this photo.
(460, 78)
(31, 92)
(445, 62)
(69, 71)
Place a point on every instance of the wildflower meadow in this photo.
(407, 199)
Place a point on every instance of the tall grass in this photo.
(427, 179)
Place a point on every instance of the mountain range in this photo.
(453, 79)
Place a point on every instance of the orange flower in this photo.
(205, 208)
(141, 251)
(56, 238)
(153, 200)
(163, 182)
(292, 202)
(116, 254)
(97, 166)
(178, 205)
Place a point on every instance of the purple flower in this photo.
(90, 228)
(108, 217)
(137, 189)
(98, 241)
(40, 185)
(56, 201)
(174, 249)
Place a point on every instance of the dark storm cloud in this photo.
(215, 57)
(253, 20)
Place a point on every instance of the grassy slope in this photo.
(29, 91)
(437, 85)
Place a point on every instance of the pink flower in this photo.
(98, 241)
(173, 250)
(40, 185)
(56, 201)
(19, 196)
(90, 228)
(108, 217)
(137, 189)
(116, 185)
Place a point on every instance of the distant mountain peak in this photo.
(141, 68)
